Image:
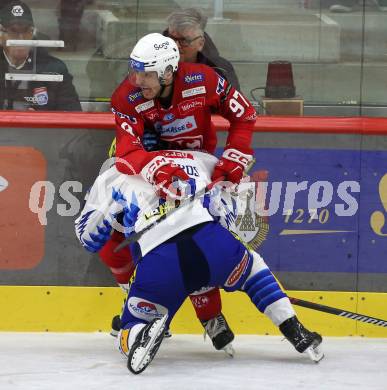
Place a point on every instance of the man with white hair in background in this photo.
(187, 28)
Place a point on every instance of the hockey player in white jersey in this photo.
(186, 250)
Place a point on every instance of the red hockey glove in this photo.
(231, 166)
(164, 175)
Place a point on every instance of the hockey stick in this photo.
(136, 236)
(339, 312)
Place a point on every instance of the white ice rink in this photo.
(52, 361)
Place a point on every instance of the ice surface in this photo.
(53, 361)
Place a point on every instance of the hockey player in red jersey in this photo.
(176, 100)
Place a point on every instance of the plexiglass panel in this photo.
(337, 49)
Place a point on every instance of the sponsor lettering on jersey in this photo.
(169, 117)
(238, 271)
(146, 310)
(151, 115)
(131, 119)
(191, 105)
(193, 91)
(194, 78)
(179, 126)
(144, 106)
(132, 97)
(136, 65)
(177, 154)
(220, 86)
(190, 170)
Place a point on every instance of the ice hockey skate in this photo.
(302, 339)
(220, 334)
(146, 345)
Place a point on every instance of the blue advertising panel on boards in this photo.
(326, 209)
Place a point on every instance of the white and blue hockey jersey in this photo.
(129, 204)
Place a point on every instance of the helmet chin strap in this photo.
(163, 86)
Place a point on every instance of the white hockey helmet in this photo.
(154, 53)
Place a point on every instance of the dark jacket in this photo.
(210, 56)
(44, 96)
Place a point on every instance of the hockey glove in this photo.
(165, 176)
(232, 165)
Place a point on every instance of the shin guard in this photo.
(266, 294)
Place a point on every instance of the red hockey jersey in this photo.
(198, 91)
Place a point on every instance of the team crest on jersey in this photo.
(194, 78)
(179, 126)
(132, 97)
(220, 86)
(191, 105)
(169, 117)
(144, 106)
(193, 91)
(40, 96)
(144, 309)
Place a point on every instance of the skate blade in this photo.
(229, 350)
(138, 365)
(315, 353)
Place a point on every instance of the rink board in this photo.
(90, 309)
(49, 283)
(327, 253)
